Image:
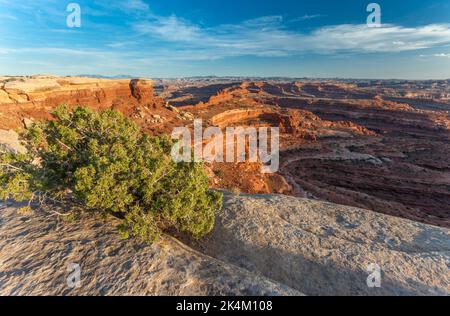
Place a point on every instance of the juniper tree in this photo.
(102, 162)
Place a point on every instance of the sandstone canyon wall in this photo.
(34, 97)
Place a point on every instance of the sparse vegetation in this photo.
(218, 173)
(101, 162)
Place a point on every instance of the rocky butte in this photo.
(364, 179)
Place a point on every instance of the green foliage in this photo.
(102, 162)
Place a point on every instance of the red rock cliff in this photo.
(22, 97)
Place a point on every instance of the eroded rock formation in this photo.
(34, 97)
(378, 145)
(351, 144)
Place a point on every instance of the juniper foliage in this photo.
(102, 162)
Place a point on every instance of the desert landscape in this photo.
(364, 177)
(348, 143)
(223, 156)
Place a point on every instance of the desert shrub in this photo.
(102, 162)
(219, 173)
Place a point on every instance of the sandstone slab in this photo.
(321, 248)
(37, 253)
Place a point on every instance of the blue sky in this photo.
(175, 38)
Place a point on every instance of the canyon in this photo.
(364, 178)
(345, 142)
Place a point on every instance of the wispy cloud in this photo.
(127, 7)
(171, 29)
(175, 38)
(8, 17)
(306, 17)
(120, 44)
(137, 5)
(127, 35)
(441, 55)
(389, 38)
(269, 36)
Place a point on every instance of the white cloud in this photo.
(171, 29)
(389, 38)
(8, 17)
(57, 51)
(442, 55)
(120, 44)
(266, 36)
(306, 17)
(129, 7)
(269, 36)
(137, 5)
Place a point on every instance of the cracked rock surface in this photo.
(261, 245)
(36, 253)
(322, 248)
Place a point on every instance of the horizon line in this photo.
(224, 77)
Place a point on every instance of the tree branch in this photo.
(10, 166)
(62, 144)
